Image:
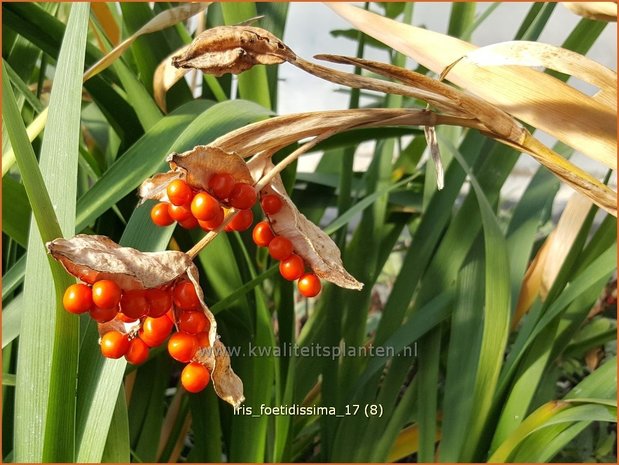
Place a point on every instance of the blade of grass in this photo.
(117, 448)
(51, 373)
(15, 211)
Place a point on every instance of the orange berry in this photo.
(179, 213)
(192, 321)
(221, 185)
(106, 293)
(160, 215)
(204, 206)
(262, 234)
(309, 285)
(203, 339)
(292, 268)
(155, 330)
(77, 298)
(182, 346)
(189, 223)
(179, 192)
(133, 304)
(159, 301)
(271, 204)
(241, 221)
(213, 223)
(138, 352)
(280, 248)
(114, 344)
(243, 196)
(195, 377)
(185, 296)
(102, 315)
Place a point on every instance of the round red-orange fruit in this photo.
(185, 296)
(179, 192)
(213, 223)
(133, 304)
(101, 315)
(155, 330)
(159, 301)
(262, 234)
(138, 352)
(106, 293)
(182, 346)
(160, 215)
(204, 206)
(292, 268)
(241, 221)
(179, 213)
(114, 344)
(221, 185)
(309, 285)
(280, 248)
(243, 196)
(203, 339)
(271, 204)
(189, 223)
(192, 321)
(195, 377)
(77, 298)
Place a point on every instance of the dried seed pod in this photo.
(310, 242)
(92, 258)
(195, 166)
(232, 49)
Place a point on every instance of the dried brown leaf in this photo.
(232, 49)
(308, 240)
(155, 187)
(227, 384)
(91, 258)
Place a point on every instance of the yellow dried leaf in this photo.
(532, 96)
(163, 20)
(603, 11)
(232, 49)
(525, 53)
(166, 75)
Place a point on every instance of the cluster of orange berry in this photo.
(192, 208)
(291, 265)
(158, 309)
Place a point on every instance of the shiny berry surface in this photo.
(114, 344)
(280, 248)
(262, 234)
(106, 293)
(138, 352)
(221, 185)
(160, 215)
(155, 330)
(213, 223)
(271, 204)
(102, 315)
(182, 346)
(185, 296)
(309, 285)
(179, 213)
(159, 301)
(292, 268)
(193, 321)
(179, 192)
(195, 377)
(204, 206)
(241, 221)
(243, 196)
(134, 304)
(77, 299)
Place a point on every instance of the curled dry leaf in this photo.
(166, 75)
(232, 49)
(603, 11)
(92, 258)
(308, 240)
(196, 167)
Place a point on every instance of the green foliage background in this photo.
(442, 272)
